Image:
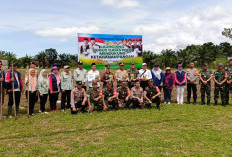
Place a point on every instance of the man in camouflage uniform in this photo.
(220, 77)
(94, 96)
(152, 95)
(137, 96)
(109, 96)
(124, 95)
(78, 98)
(133, 75)
(205, 83)
(228, 88)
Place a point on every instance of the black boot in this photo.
(208, 102)
(188, 102)
(158, 106)
(194, 102)
(215, 104)
(202, 102)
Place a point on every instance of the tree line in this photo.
(206, 53)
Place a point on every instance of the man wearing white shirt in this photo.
(144, 75)
(93, 75)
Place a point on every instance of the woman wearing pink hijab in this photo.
(32, 84)
(54, 84)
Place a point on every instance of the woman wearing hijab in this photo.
(32, 84)
(43, 87)
(157, 76)
(54, 85)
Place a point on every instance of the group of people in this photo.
(81, 90)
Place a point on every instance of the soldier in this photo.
(95, 100)
(220, 77)
(110, 96)
(124, 95)
(152, 95)
(80, 74)
(205, 83)
(137, 95)
(133, 75)
(228, 88)
(107, 76)
(78, 98)
(121, 74)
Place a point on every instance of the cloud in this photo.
(195, 26)
(121, 3)
(64, 33)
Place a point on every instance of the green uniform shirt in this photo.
(108, 93)
(122, 92)
(151, 91)
(132, 74)
(66, 81)
(219, 76)
(205, 75)
(92, 94)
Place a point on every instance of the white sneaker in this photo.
(165, 102)
(46, 113)
(62, 110)
(40, 111)
(10, 116)
(169, 103)
(32, 114)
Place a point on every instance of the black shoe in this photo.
(215, 104)
(202, 103)
(194, 103)
(208, 103)
(223, 104)
(188, 102)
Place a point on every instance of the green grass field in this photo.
(176, 130)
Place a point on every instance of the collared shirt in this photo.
(146, 75)
(80, 75)
(192, 74)
(66, 81)
(137, 93)
(78, 95)
(107, 76)
(121, 75)
(93, 75)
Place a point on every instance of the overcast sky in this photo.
(30, 26)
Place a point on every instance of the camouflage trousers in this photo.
(113, 104)
(228, 90)
(205, 89)
(219, 90)
(155, 101)
(125, 104)
(97, 105)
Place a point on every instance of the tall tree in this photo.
(51, 56)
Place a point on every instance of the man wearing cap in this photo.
(80, 74)
(157, 76)
(169, 83)
(110, 96)
(95, 98)
(85, 46)
(93, 75)
(205, 83)
(133, 75)
(192, 75)
(137, 95)
(152, 95)
(66, 87)
(107, 76)
(180, 80)
(124, 95)
(2, 88)
(228, 87)
(144, 75)
(129, 45)
(14, 77)
(78, 99)
(121, 74)
(220, 77)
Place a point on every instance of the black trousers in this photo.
(43, 100)
(36, 99)
(53, 99)
(80, 107)
(136, 103)
(66, 95)
(11, 101)
(144, 84)
(167, 94)
(32, 101)
(192, 87)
